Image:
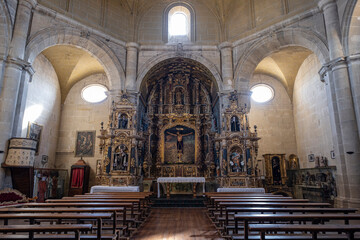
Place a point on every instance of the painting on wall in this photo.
(85, 144)
(179, 145)
(34, 132)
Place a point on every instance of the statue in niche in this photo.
(179, 97)
(122, 121)
(235, 124)
(120, 158)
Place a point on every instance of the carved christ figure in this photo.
(180, 144)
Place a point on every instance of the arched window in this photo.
(178, 23)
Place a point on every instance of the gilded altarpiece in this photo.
(120, 144)
(236, 147)
(178, 125)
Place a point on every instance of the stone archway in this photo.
(269, 44)
(69, 36)
(163, 57)
(352, 10)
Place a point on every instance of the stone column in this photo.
(131, 65)
(354, 69)
(346, 132)
(13, 73)
(227, 65)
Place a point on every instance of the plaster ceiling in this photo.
(71, 64)
(284, 65)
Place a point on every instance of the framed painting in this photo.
(34, 132)
(85, 144)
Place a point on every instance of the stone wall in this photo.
(151, 24)
(43, 108)
(274, 120)
(78, 115)
(108, 16)
(311, 114)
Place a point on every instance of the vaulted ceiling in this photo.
(71, 64)
(284, 65)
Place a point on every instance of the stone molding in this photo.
(21, 65)
(336, 64)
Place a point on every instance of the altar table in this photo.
(257, 190)
(192, 180)
(100, 188)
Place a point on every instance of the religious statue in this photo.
(179, 144)
(122, 121)
(120, 159)
(235, 125)
(178, 98)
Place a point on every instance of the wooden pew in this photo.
(319, 218)
(114, 210)
(223, 205)
(282, 210)
(136, 202)
(224, 200)
(314, 229)
(127, 206)
(275, 210)
(31, 229)
(98, 217)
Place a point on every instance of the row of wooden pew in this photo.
(108, 216)
(267, 216)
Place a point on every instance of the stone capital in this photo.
(21, 64)
(29, 3)
(324, 4)
(225, 45)
(131, 45)
(331, 66)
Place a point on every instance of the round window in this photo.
(262, 93)
(94, 93)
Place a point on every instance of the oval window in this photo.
(262, 93)
(94, 93)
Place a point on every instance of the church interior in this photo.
(192, 119)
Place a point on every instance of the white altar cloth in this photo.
(100, 188)
(179, 180)
(257, 190)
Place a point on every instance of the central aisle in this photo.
(177, 224)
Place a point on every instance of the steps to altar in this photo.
(178, 201)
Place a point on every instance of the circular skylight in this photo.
(94, 93)
(262, 93)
